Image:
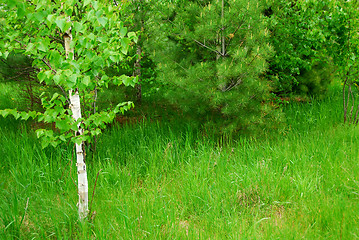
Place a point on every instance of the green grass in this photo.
(168, 181)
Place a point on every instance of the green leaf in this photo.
(86, 81)
(57, 79)
(39, 16)
(132, 36)
(123, 32)
(44, 143)
(4, 54)
(77, 140)
(102, 21)
(62, 138)
(95, 5)
(105, 78)
(61, 23)
(71, 80)
(21, 10)
(126, 80)
(54, 143)
(125, 43)
(50, 20)
(32, 114)
(40, 132)
(42, 46)
(78, 27)
(24, 115)
(54, 97)
(116, 57)
(63, 125)
(41, 76)
(12, 112)
(30, 48)
(87, 2)
(95, 132)
(4, 112)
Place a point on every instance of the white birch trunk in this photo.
(75, 107)
(80, 163)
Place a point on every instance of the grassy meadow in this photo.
(167, 180)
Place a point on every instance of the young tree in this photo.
(343, 24)
(139, 13)
(299, 35)
(212, 58)
(72, 42)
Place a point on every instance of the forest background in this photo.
(243, 125)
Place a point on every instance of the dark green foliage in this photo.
(148, 76)
(299, 34)
(344, 49)
(17, 69)
(211, 57)
(316, 80)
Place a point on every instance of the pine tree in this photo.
(212, 58)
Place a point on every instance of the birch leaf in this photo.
(60, 23)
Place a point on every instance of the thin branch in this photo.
(203, 45)
(353, 104)
(230, 87)
(180, 66)
(356, 116)
(49, 65)
(54, 72)
(93, 192)
(348, 99)
(253, 59)
(344, 102)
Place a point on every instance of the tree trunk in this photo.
(75, 107)
(137, 71)
(80, 162)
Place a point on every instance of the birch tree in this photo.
(72, 42)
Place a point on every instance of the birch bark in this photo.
(75, 107)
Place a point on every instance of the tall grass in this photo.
(168, 181)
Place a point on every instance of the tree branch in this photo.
(54, 72)
(203, 45)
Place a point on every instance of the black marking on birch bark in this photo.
(66, 35)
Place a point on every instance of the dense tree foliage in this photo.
(299, 36)
(212, 57)
(220, 61)
(17, 69)
(344, 49)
